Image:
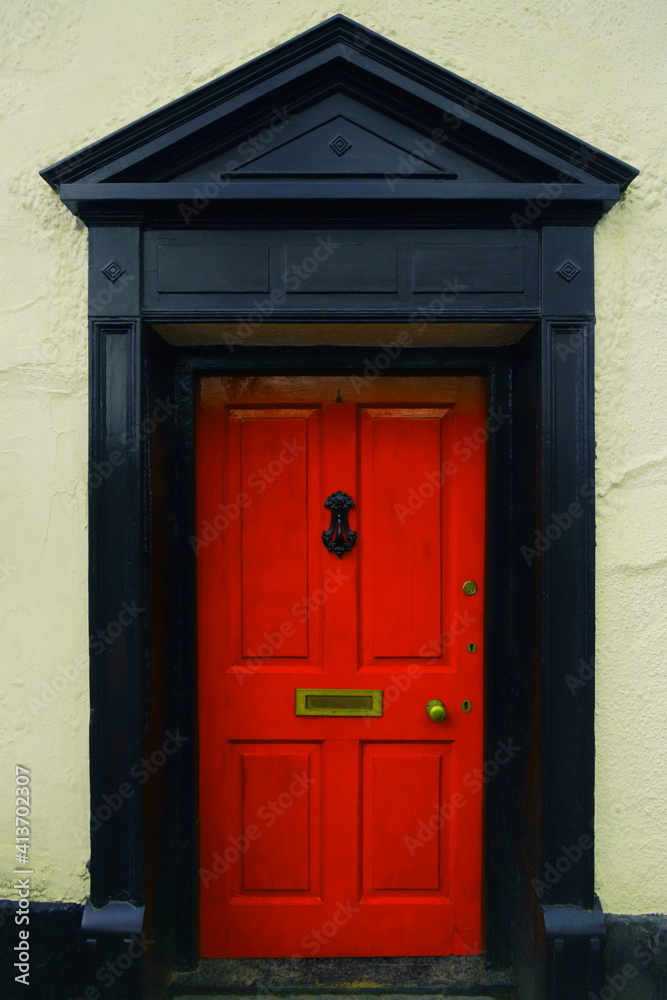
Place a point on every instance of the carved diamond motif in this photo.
(340, 145)
(568, 270)
(113, 271)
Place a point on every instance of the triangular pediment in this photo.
(338, 137)
(340, 101)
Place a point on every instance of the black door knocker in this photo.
(339, 537)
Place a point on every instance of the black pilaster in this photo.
(565, 541)
(117, 620)
(564, 544)
(117, 611)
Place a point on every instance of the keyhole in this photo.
(466, 706)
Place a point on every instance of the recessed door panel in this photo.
(273, 497)
(402, 455)
(405, 840)
(278, 818)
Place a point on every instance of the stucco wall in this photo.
(74, 71)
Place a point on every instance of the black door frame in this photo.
(540, 629)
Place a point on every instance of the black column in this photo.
(118, 615)
(564, 549)
(117, 611)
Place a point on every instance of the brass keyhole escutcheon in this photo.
(472, 647)
(466, 706)
(469, 588)
(435, 710)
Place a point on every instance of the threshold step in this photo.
(344, 979)
(352, 996)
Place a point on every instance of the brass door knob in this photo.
(435, 710)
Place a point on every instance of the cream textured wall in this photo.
(73, 71)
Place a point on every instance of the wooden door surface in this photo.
(340, 834)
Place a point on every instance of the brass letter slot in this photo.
(333, 701)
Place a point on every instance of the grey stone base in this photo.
(635, 960)
(353, 996)
(266, 978)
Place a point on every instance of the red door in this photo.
(357, 833)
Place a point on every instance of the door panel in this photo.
(402, 580)
(279, 518)
(270, 454)
(421, 773)
(338, 835)
(276, 788)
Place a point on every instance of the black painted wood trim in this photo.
(567, 540)
(500, 856)
(357, 54)
(118, 610)
(575, 939)
(326, 359)
(535, 808)
(248, 188)
(413, 203)
(185, 679)
(343, 213)
(504, 850)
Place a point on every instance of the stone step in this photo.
(344, 979)
(348, 996)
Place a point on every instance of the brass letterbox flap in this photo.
(337, 701)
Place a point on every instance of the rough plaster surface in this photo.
(74, 71)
